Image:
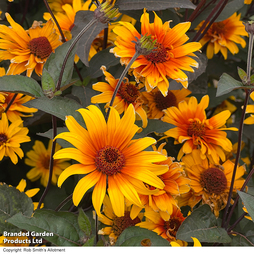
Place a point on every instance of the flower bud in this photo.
(145, 45)
(249, 27)
(105, 12)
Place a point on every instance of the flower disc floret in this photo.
(213, 180)
(40, 47)
(109, 160)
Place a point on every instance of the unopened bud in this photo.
(249, 27)
(105, 12)
(145, 45)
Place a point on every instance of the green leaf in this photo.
(227, 84)
(243, 240)
(63, 225)
(248, 201)
(20, 84)
(57, 106)
(82, 18)
(84, 94)
(12, 201)
(252, 79)
(101, 58)
(89, 242)
(203, 225)
(84, 223)
(135, 236)
(153, 126)
(48, 84)
(54, 63)
(153, 5)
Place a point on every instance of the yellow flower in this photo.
(39, 159)
(247, 1)
(128, 93)
(250, 109)
(109, 158)
(167, 60)
(16, 110)
(10, 139)
(163, 224)
(196, 131)
(247, 217)
(56, 5)
(157, 102)
(30, 193)
(188, 199)
(223, 36)
(175, 182)
(195, 240)
(211, 181)
(27, 50)
(116, 225)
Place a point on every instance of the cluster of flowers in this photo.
(132, 185)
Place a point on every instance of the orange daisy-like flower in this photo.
(168, 58)
(223, 36)
(109, 158)
(11, 136)
(175, 182)
(39, 159)
(212, 182)
(163, 224)
(116, 225)
(196, 131)
(156, 102)
(17, 109)
(127, 94)
(27, 50)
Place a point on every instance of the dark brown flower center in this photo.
(121, 223)
(40, 47)
(128, 92)
(162, 102)
(171, 226)
(109, 160)
(45, 162)
(213, 180)
(3, 139)
(196, 129)
(158, 55)
(218, 28)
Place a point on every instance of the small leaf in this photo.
(63, 225)
(48, 84)
(136, 236)
(248, 201)
(154, 5)
(12, 201)
(84, 223)
(227, 84)
(202, 224)
(20, 84)
(55, 61)
(252, 79)
(242, 74)
(82, 18)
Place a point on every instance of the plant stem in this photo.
(237, 233)
(51, 162)
(64, 202)
(237, 221)
(76, 39)
(249, 57)
(240, 133)
(135, 56)
(213, 16)
(10, 102)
